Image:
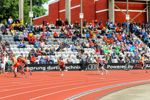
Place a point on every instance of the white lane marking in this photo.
(74, 97)
(38, 86)
(19, 81)
(68, 90)
(71, 89)
(42, 81)
(45, 89)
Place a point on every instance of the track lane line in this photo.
(33, 83)
(77, 96)
(44, 89)
(73, 89)
(92, 77)
(71, 81)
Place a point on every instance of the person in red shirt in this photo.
(32, 59)
(61, 64)
(19, 65)
(16, 64)
(55, 35)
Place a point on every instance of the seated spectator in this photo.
(22, 45)
(74, 38)
(38, 52)
(47, 35)
(33, 59)
(42, 44)
(43, 52)
(42, 61)
(37, 44)
(47, 51)
(7, 43)
(87, 35)
(55, 35)
(31, 38)
(43, 36)
(51, 60)
(25, 34)
(16, 38)
(47, 59)
(51, 52)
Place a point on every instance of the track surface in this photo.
(134, 93)
(73, 85)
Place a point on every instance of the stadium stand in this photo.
(45, 44)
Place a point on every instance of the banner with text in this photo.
(76, 67)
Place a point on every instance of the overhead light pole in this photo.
(81, 16)
(127, 17)
(21, 11)
(147, 11)
(31, 12)
(68, 10)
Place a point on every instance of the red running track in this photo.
(73, 85)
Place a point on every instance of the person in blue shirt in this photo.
(22, 45)
(37, 44)
(42, 61)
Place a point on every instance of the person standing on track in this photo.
(61, 64)
(127, 60)
(5, 59)
(143, 62)
(83, 60)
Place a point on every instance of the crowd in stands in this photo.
(142, 32)
(110, 42)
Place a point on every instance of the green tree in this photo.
(38, 9)
(10, 8)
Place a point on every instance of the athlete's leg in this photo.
(2, 68)
(98, 69)
(62, 68)
(28, 70)
(145, 68)
(104, 70)
(14, 69)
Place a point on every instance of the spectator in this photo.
(22, 45)
(42, 60)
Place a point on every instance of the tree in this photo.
(38, 9)
(10, 8)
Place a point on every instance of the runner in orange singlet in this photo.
(15, 65)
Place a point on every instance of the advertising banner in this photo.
(77, 67)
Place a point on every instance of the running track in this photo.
(88, 85)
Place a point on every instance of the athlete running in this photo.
(61, 64)
(143, 62)
(101, 64)
(24, 65)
